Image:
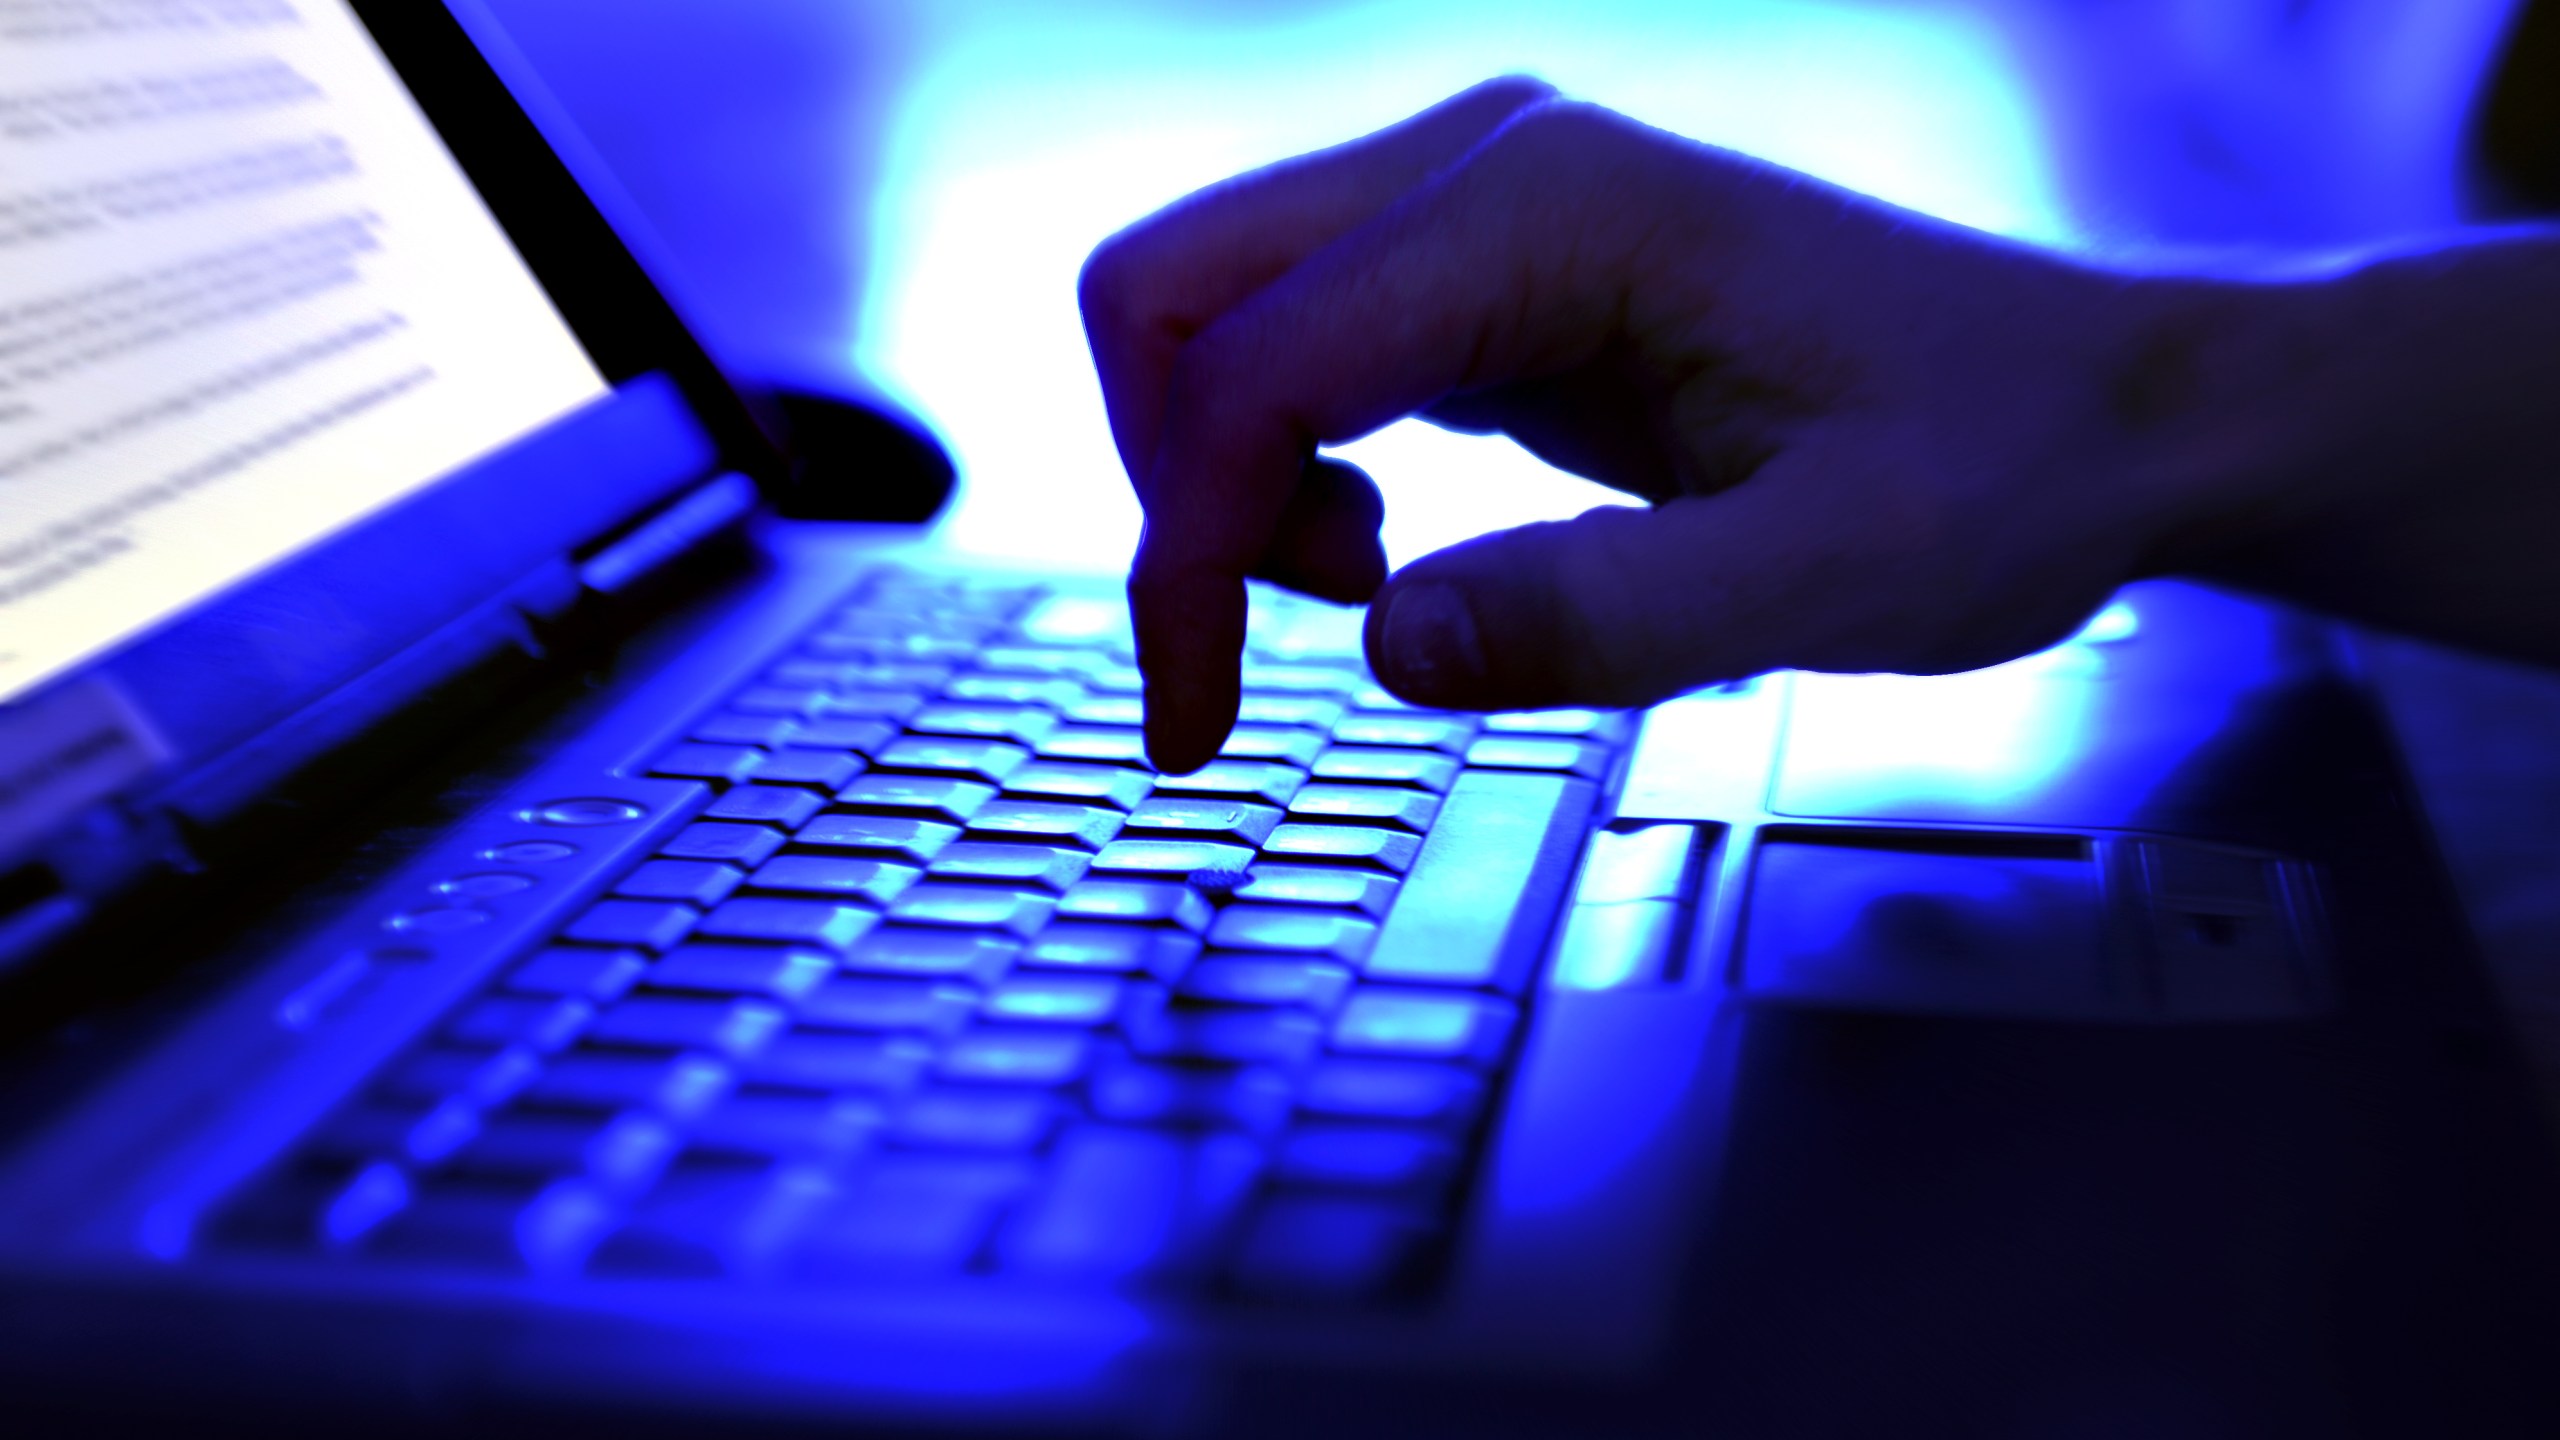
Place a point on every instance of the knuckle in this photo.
(1552, 129)
(1106, 286)
(1102, 283)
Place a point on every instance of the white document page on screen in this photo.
(246, 298)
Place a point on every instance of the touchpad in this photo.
(1936, 922)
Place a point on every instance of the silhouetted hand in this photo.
(1872, 441)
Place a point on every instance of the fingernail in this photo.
(1431, 640)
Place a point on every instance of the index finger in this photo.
(1513, 264)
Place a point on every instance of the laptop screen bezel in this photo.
(544, 190)
(235, 672)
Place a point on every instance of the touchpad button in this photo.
(1930, 923)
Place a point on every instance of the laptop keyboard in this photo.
(947, 980)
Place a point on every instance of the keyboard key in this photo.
(646, 924)
(1529, 752)
(371, 1196)
(1316, 985)
(1366, 844)
(1363, 1157)
(703, 883)
(536, 1024)
(790, 922)
(747, 845)
(987, 760)
(904, 618)
(1059, 999)
(778, 699)
(1087, 826)
(473, 1077)
(972, 907)
(1045, 692)
(822, 769)
(1235, 1036)
(1116, 679)
(416, 1135)
(1413, 1091)
(1261, 780)
(1038, 661)
(621, 1154)
(1420, 732)
(854, 701)
(1479, 912)
(836, 877)
(1121, 1202)
(903, 626)
(923, 796)
(842, 732)
(976, 956)
(1329, 933)
(820, 1060)
(1237, 822)
(764, 1129)
(1360, 890)
(766, 805)
(674, 1085)
(1023, 724)
(1114, 949)
(1254, 1099)
(1106, 736)
(1316, 1247)
(1016, 1056)
(1104, 711)
(727, 764)
(1318, 712)
(914, 841)
(1377, 699)
(741, 970)
(715, 1223)
(1287, 745)
(975, 1118)
(597, 975)
(892, 654)
(912, 1214)
(1367, 805)
(1603, 725)
(1170, 857)
(1301, 680)
(666, 1022)
(1137, 902)
(873, 674)
(1095, 784)
(865, 1003)
(1423, 1025)
(734, 727)
(1045, 866)
(549, 1233)
(1420, 768)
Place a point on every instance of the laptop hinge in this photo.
(667, 537)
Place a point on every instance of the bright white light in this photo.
(1034, 131)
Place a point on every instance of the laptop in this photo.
(503, 928)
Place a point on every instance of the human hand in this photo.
(1872, 441)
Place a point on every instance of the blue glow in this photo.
(2085, 733)
(2260, 123)
(1030, 133)
(1993, 736)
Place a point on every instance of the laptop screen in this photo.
(246, 298)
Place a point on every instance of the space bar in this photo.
(1478, 904)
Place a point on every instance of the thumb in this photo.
(1620, 606)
